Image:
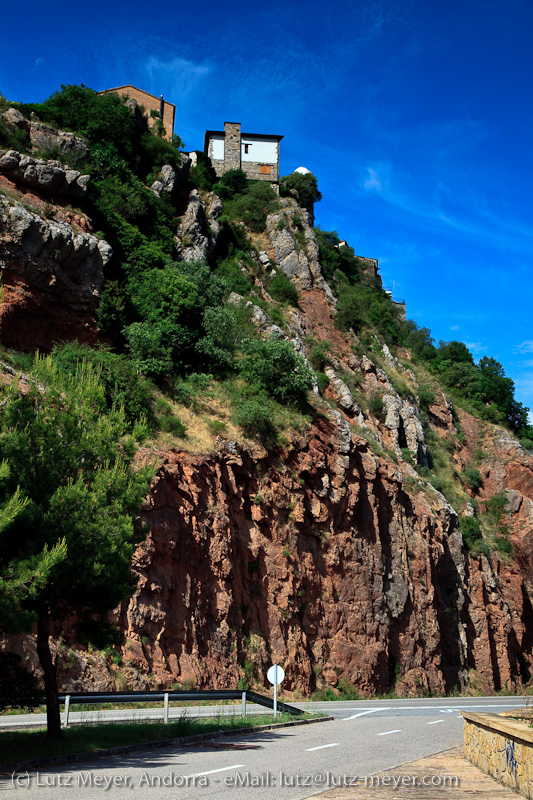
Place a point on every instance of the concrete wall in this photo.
(502, 748)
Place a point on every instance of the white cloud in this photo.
(373, 181)
(524, 347)
(476, 347)
(454, 327)
(176, 77)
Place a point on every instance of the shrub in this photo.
(318, 355)
(123, 386)
(375, 405)
(202, 175)
(472, 478)
(426, 397)
(471, 531)
(275, 366)
(253, 206)
(254, 417)
(305, 188)
(232, 182)
(235, 279)
(283, 289)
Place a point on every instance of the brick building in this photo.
(150, 103)
(257, 154)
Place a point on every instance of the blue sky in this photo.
(416, 118)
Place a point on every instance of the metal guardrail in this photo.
(97, 698)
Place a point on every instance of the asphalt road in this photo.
(339, 708)
(287, 764)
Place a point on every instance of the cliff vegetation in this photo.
(334, 490)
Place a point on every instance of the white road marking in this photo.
(363, 713)
(322, 747)
(212, 771)
(435, 722)
(446, 711)
(386, 733)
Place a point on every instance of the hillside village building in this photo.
(150, 103)
(257, 154)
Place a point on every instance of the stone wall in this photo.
(232, 146)
(502, 748)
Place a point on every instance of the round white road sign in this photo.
(275, 674)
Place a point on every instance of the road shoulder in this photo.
(443, 776)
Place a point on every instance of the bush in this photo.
(305, 188)
(235, 279)
(375, 405)
(202, 175)
(275, 366)
(471, 531)
(122, 384)
(253, 206)
(426, 397)
(319, 356)
(255, 418)
(283, 289)
(472, 478)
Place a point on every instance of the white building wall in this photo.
(265, 152)
(217, 147)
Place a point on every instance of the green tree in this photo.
(304, 186)
(70, 499)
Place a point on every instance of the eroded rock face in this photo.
(52, 277)
(317, 557)
(173, 181)
(43, 137)
(298, 260)
(198, 230)
(49, 177)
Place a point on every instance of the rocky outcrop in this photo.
(52, 275)
(344, 396)
(43, 137)
(48, 177)
(316, 557)
(198, 230)
(401, 419)
(297, 255)
(173, 181)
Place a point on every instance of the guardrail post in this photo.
(67, 709)
(166, 708)
(244, 704)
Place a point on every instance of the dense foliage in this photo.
(70, 501)
(303, 187)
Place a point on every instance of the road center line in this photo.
(435, 722)
(212, 771)
(386, 733)
(322, 747)
(363, 713)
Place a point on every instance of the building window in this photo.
(246, 149)
(265, 169)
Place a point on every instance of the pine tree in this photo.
(69, 505)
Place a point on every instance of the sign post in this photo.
(275, 675)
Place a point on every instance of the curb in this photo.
(74, 758)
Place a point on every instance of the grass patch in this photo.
(19, 745)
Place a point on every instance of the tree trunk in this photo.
(53, 720)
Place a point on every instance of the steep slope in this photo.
(330, 549)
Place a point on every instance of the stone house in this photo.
(150, 102)
(257, 154)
